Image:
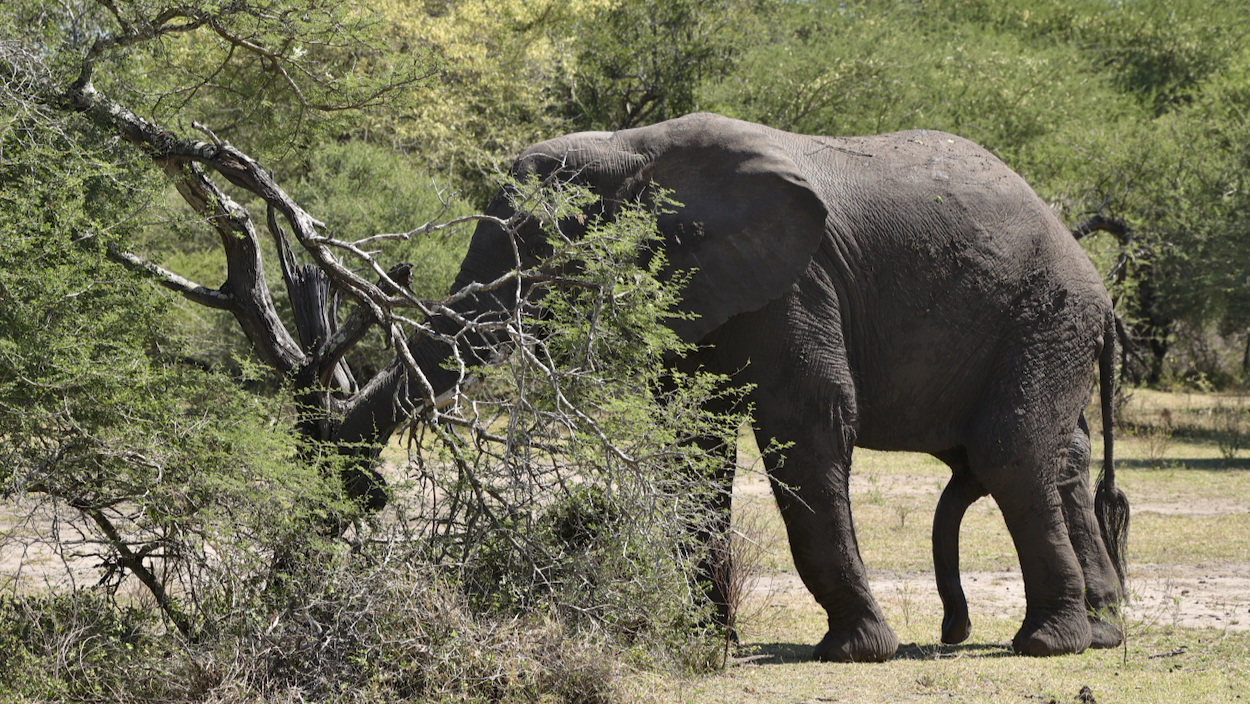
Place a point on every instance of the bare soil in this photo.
(29, 527)
(1210, 595)
(1207, 595)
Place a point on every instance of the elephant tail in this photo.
(1110, 503)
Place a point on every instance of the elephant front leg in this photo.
(792, 354)
(716, 571)
(811, 487)
(709, 540)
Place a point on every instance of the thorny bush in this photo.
(534, 528)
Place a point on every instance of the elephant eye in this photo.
(539, 250)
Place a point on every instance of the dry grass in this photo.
(1190, 540)
(1204, 669)
(1191, 531)
(1196, 429)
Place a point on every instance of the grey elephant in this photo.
(905, 291)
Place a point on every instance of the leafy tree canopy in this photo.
(201, 397)
(1133, 111)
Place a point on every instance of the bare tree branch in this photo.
(245, 279)
(189, 289)
(134, 563)
(1102, 223)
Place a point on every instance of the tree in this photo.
(1170, 169)
(498, 61)
(219, 488)
(636, 62)
(1126, 111)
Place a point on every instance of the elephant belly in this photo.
(918, 396)
(915, 427)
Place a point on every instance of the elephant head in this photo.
(747, 226)
(747, 223)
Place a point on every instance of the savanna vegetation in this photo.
(219, 221)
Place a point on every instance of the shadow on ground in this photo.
(938, 651)
(788, 653)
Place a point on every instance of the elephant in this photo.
(905, 291)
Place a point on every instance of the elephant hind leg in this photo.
(1102, 586)
(1102, 592)
(1018, 442)
(1055, 619)
(960, 493)
(1020, 474)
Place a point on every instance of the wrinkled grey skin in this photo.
(904, 291)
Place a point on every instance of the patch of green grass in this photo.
(872, 462)
(1197, 429)
(1159, 664)
(1178, 482)
(1188, 540)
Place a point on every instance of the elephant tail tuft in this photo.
(1110, 503)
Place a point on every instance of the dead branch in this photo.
(189, 289)
(1102, 223)
(134, 562)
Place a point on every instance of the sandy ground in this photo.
(1191, 596)
(1214, 596)
(26, 554)
(1204, 596)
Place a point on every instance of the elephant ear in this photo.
(748, 224)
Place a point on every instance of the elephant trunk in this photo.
(1110, 504)
(396, 393)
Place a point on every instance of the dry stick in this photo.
(134, 563)
(197, 293)
(230, 219)
(255, 310)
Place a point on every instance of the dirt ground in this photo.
(1208, 596)
(1213, 596)
(29, 526)
(1192, 596)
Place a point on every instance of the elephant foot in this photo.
(956, 628)
(1105, 634)
(1058, 633)
(871, 641)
